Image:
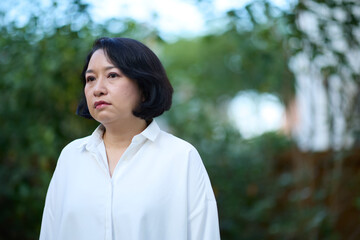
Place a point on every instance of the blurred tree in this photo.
(41, 61)
(328, 63)
(260, 196)
(238, 58)
(327, 68)
(38, 95)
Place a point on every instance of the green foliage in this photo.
(40, 87)
(235, 61)
(259, 197)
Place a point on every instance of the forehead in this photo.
(99, 59)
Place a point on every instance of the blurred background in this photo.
(267, 91)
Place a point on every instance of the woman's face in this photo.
(110, 95)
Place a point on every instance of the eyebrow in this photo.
(105, 68)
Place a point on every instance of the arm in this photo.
(203, 223)
(47, 223)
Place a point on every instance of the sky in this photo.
(255, 113)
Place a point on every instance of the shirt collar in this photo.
(151, 132)
(94, 139)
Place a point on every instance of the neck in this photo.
(119, 135)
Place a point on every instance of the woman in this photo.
(128, 180)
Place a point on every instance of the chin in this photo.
(103, 119)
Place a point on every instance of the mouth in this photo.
(100, 104)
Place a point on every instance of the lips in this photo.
(100, 104)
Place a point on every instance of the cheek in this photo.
(87, 96)
(135, 95)
(86, 92)
(130, 91)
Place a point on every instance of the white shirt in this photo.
(159, 190)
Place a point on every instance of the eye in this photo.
(113, 75)
(90, 78)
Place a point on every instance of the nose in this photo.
(100, 87)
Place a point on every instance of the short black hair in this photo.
(137, 62)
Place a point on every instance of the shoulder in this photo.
(75, 145)
(73, 151)
(176, 151)
(173, 143)
(80, 143)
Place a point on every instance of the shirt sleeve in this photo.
(49, 224)
(203, 223)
